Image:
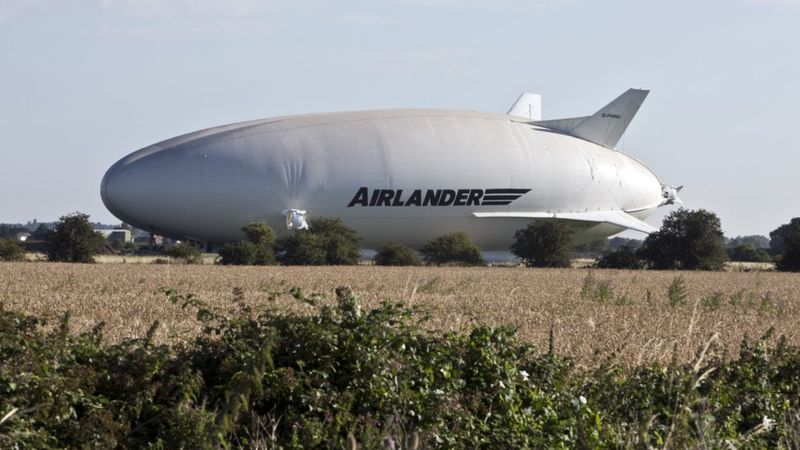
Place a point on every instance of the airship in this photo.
(400, 175)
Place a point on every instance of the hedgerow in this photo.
(341, 376)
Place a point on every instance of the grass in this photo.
(626, 318)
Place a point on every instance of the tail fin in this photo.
(605, 127)
(528, 106)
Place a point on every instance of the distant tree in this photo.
(616, 243)
(73, 240)
(622, 258)
(189, 253)
(544, 243)
(452, 248)
(789, 259)
(755, 241)
(777, 238)
(327, 241)
(592, 249)
(257, 249)
(40, 233)
(10, 250)
(394, 254)
(746, 253)
(688, 240)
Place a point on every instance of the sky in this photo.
(85, 82)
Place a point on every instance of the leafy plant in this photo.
(186, 252)
(688, 240)
(327, 241)
(73, 240)
(676, 293)
(544, 243)
(454, 248)
(257, 249)
(10, 250)
(395, 254)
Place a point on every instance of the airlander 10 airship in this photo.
(394, 175)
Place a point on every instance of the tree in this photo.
(746, 253)
(592, 249)
(257, 249)
(545, 243)
(452, 248)
(327, 241)
(73, 240)
(394, 254)
(777, 238)
(688, 240)
(623, 258)
(189, 253)
(789, 260)
(40, 233)
(10, 250)
(617, 243)
(754, 240)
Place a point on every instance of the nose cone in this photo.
(140, 189)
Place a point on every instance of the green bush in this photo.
(257, 249)
(10, 250)
(394, 254)
(186, 252)
(544, 243)
(338, 375)
(326, 242)
(452, 248)
(688, 240)
(73, 240)
(624, 258)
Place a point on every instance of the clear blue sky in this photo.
(85, 82)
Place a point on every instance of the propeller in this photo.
(670, 194)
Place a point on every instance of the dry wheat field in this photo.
(623, 317)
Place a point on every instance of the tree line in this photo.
(687, 240)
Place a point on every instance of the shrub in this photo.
(10, 250)
(327, 241)
(394, 254)
(73, 240)
(688, 240)
(452, 248)
(239, 253)
(186, 252)
(338, 375)
(545, 243)
(257, 249)
(624, 258)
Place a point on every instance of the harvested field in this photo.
(627, 317)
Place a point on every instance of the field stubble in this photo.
(622, 317)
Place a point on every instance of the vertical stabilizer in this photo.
(528, 106)
(605, 127)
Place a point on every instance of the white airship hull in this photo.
(207, 185)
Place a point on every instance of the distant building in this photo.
(23, 236)
(116, 235)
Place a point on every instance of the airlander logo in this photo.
(436, 197)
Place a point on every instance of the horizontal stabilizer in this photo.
(528, 106)
(605, 127)
(618, 218)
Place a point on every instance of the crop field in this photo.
(623, 317)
